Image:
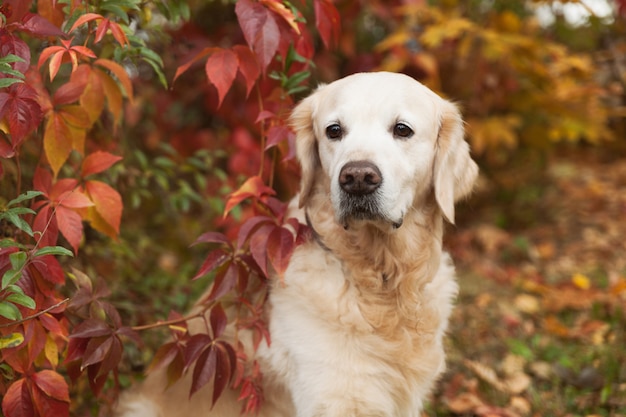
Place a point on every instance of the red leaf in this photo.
(204, 371)
(6, 150)
(49, 268)
(277, 134)
(47, 406)
(11, 44)
(164, 356)
(39, 26)
(16, 9)
(107, 202)
(223, 371)
(181, 69)
(250, 226)
(258, 246)
(70, 226)
(218, 320)
(260, 30)
(214, 259)
(71, 91)
(97, 349)
(97, 162)
(327, 21)
(224, 281)
(213, 237)
(280, 246)
(194, 348)
(91, 328)
(20, 107)
(221, 70)
(248, 66)
(17, 401)
(52, 384)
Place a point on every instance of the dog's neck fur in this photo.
(388, 267)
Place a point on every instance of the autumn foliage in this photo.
(127, 128)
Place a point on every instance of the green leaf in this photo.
(18, 222)
(20, 211)
(11, 340)
(18, 260)
(10, 243)
(10, 58)
(158, 70)
(116, 10)
(9, 311)
(5, 82)
(10, 277)
(22, 300)
(29, 195)
(6, 69)
(53, 250)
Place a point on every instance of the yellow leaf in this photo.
(51, 351)
(11, 340)
(581, 281)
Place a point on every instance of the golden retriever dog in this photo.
(357, 325)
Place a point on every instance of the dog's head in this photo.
(385, 142)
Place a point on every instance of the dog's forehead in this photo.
(376, 96)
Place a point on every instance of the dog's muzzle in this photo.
(360, 200)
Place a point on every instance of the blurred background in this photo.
(540, 247)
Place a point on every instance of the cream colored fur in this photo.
(357, 326)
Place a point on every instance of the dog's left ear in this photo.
(301, 120)
(454, 170)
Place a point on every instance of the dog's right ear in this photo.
(301, 120)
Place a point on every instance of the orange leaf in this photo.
(120, 73)
(280, 9)
(75, 116)
(108, 203)
(221, 69)
(112, 93)
(92, 98)
(57, 141)
(253, 187)
(87, 17)
(97, 162)
(55, 64)
(118, 34)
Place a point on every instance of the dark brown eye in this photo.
(334, 132)
(401, 130)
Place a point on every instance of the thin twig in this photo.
(168, 322)
(13, 323)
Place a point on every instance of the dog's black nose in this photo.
(360, 177)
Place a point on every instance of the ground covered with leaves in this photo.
(540, 325)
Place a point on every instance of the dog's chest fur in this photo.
(358, 334)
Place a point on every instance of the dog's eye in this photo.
(334, 132)
(401, 130)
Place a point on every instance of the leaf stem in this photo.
(13, 323)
